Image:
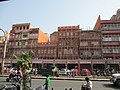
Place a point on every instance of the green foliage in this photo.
(23, 61)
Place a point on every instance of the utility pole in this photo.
(4, 51)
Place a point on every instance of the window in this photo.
(10, 43)
(16, 35)
(51, 51)
(71, 33)
(25, 36)
(27, 27)
(84, 44)
(38, 51)
(67, 33)
(20, 28)
(94, 43)
(63, 34)
(44, 51)
(59, 34)
(26, 43)
(17, 28)
(54, 51)
(41, 51)
(24, 27)
(48, 51)
(92, 53)
(17, 43)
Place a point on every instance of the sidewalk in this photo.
(76, 78)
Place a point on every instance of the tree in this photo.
(23, 61)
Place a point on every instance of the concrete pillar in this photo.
(91, 66)
(119, 65)
(54, 62)
(42, 64)
(79, 65)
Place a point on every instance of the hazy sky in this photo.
(50, 14)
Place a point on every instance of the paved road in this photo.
(62, 84)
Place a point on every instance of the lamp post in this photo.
(4, 51)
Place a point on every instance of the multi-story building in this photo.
(68, 42)
(116, 16)
(90, 49)
(54, 37)
(46, 54)
(62, 50)
(23, 38)
(69, 46)
(110, 30)
(3, 52)
(1, 46)
(90, 45)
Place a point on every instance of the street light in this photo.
(4, 51)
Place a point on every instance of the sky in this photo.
(50, 14)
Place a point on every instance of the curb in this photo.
(74, 79)
(67, 78)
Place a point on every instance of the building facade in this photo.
(24, 38)
(110, 30)
(69, 46)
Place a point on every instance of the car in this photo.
(64, 71)
(13, 70)
(76, 72)
(115, 79)
(85, 72)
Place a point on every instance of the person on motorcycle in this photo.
(19, 73)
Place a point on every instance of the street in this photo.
(62, 84)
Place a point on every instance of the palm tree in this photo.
(23, 61)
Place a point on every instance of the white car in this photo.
(115, 79)
(64, 71)
(14, 70)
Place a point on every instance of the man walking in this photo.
(88, 85)
(47, 82)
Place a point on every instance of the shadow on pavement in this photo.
(111, 86)
(3, 81)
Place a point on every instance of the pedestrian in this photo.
(47, 83)
(0, 69)
(88, 83)
(35, 71)
(19, 73)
